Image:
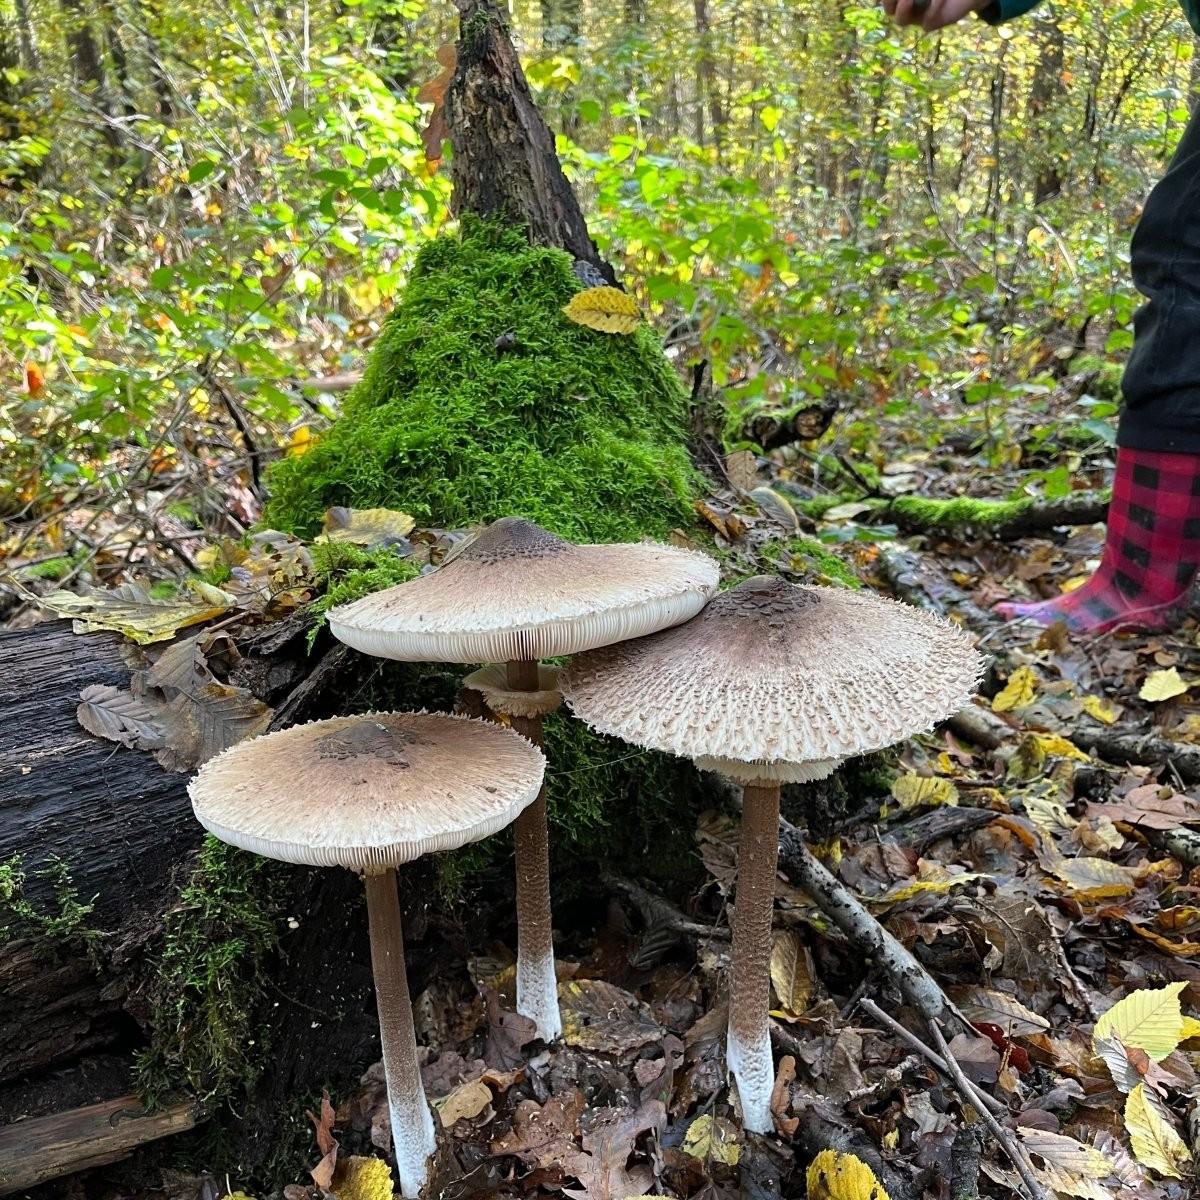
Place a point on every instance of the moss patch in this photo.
(205, 983)
(348, 572)
(963, 512)
(482, 400)
(817, 558)
(64, 925)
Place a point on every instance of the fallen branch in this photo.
(948, 821)
(910, 1039)
(865, 933)
(658, 913)
(1138, 749)
(975, 1098)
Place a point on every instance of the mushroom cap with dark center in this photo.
(368, 792)
(518, 592)
(771, 673)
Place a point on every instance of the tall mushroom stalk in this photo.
(370, 793)
(514, 595)
(773, 684)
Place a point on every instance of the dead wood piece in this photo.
(504, 162)
(966, 1154)
(1083, 508)
(980, 726)
(1184, 844)
(917, 986)
(660, 914)
(64, 1143)
(970, 1093)
(1138, 749)
(922, 584)
(947, 821)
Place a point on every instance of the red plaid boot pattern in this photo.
(1151, 551)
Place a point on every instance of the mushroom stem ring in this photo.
(537, 984)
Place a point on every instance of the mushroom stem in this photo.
(413, 1137)
(748, 1044)
(537, 985)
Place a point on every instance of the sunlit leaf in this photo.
(911, 790)
(1019, 691)
(713, 1139)
(606, 309)
(131, 610)
(1154, 1140)
(1162, 685)
(1149, 1019)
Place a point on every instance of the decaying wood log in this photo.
(34, 1151)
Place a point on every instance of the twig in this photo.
(910, 1039)
(917, 986)
(975, 1098)
(658, 913)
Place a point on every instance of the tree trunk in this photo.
(504, 162)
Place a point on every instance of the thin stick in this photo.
(974, 1097)
(910, 1039)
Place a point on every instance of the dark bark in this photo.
(1044, 99)
(504, 162)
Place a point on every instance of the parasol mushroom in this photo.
(370, 793)
(773, 683)
(516, 594)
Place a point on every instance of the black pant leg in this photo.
(1162, 378)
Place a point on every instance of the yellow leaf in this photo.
(132, 611)
(301, 442)
(1162, 685)
(1054, 746)
(606, 309)
(791, 975)
(464, 1102)
(933, 879)
(1102, 710)
(1088, 878)
(1152, 1137)
(1190, 1029)
(713, 1139)
(912, 790)
(1148, 1019)
(836, 1176)
(366, 526)
(1018, 691)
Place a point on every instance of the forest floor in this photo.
(1036, 855)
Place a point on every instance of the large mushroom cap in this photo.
(368, 792)
(771, 674)
(518, 592)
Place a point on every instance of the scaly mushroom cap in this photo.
(519, 593)
(368, 792)
(774, 681)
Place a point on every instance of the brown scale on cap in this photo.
(513, 538)
(368, 739)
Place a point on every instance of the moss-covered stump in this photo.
(482, 400)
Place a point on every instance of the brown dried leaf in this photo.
(119, 717)
(600, 1017)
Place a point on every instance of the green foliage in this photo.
(66, 926)
(580, 431)
(206, 980)
(815, 557)
(348, 572)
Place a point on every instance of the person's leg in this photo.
(1152, 547)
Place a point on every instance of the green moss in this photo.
(53, 569)
(816, 558)
(961, 512)
(65, 925)
(583, 432)
(348, 572)
(204, 983)
(817, 506)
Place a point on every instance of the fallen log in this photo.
(34, 1151)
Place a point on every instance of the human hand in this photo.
(933, 14)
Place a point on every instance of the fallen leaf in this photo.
(370, 527)
(847, 511)
(464, 1102)
(598, 1016)
(1154, 1140)
(713, 1138)
(119, 717)
(1162, 685)
(1019, 691)
(1150, 807)
(741, 469)
(605, 309)
(35, 379)
(327, 1144)
(777, 507)
(1088, 878)
(911, 790)
(833, 1175)
(603, 1169)
(1104, 711)
(132, 611)
(1148, 1019)
(791, 973)
(999, 1008)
